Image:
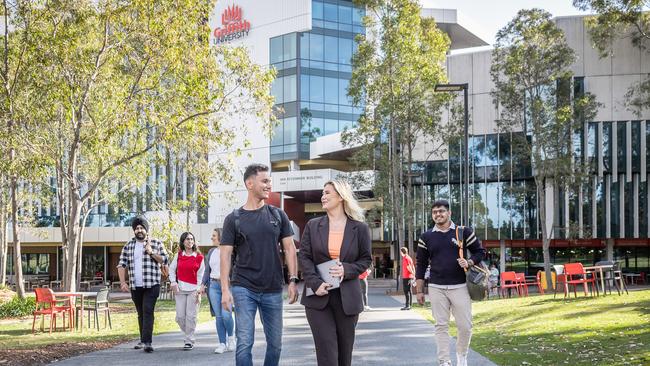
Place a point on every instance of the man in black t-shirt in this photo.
(255, 232)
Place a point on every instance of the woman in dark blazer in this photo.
(342, 235)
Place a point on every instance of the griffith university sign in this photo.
(233, 26)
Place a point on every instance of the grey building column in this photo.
(609, 243)
(502, 255)
(282, 201)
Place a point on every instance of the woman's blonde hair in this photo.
(350, 204)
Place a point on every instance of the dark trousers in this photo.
(407, 292)
(145, 303)
(333, 332)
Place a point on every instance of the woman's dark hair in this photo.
(184, 235)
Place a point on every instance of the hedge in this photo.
(18, 307)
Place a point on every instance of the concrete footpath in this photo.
(385, 336)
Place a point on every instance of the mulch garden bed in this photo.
(51, 353)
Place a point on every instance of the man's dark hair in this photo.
(440, 203)
(254, 169)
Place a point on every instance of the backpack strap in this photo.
(276, 213)
(462, 250)
(235, 214)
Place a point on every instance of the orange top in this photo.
(334, 242)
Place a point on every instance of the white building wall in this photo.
(268, 19)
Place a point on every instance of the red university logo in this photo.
(233, 26)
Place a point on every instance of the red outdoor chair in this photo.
(46, 304)
(536, 282)
(509, 281)
(576, 275)
(521, 280)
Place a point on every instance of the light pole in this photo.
(449, 88)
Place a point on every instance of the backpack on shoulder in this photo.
(477, 276)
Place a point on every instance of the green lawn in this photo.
(538, 330)
(17, 333)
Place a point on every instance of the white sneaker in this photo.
(366, 308)
(231, 344)
(461, 360)
(221, 348)
(445, 363)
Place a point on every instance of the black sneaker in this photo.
(188, 346)
(138, 346)
(148, 348)
(406, 308)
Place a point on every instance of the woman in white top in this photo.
(185, 274)
(212, 284)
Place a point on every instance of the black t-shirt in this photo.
(258, 265)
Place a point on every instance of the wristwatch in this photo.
(294, 279)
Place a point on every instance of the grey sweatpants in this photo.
(457, 302)
(187, 309)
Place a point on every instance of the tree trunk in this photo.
(3, 235)
(546, 240)
(73, 244)
(18, 262)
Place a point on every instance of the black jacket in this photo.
(355, 257)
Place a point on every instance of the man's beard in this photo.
(140, 236)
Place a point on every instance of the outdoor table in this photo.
(82, 295)
(593, 270)
(631, 277)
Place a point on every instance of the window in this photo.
(304, 87)
(290, 130)
(331, 49)
(316, 49)
(289, 88)
(331, 90)
(330, 12)
(276, 90)
(345, 51)
(289, 41)
(276, 49)
(304, 45)
(345, 14)
(317, 10)
(331, 126)
(621, 147)
(316, 88)
(343, 91)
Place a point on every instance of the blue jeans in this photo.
(270, 305)
(224, 322)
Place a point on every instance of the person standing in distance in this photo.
(144, 258)
(224, 322)
(342, 235)
(254, 232)
(408, 273)
(439, 248)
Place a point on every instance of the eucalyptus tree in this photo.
(120, 83)
(532, 83)
(395, 71)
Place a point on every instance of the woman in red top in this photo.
(408, 274)
(185, 274)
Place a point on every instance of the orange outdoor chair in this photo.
(509, 281)
(46, 304)
(576, 275)
(521, 280)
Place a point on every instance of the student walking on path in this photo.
(439, 247)
(143, 257)
(254, 232)
(408, 274)
(212, 284)
(341, 235)
(185, 274)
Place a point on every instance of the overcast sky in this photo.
(486, 17)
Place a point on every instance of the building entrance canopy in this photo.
(314, 180)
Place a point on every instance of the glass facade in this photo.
(314, 71)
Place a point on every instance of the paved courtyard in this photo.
(385, 336)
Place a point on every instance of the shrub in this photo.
(17, 307)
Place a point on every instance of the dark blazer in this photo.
(355, 256)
